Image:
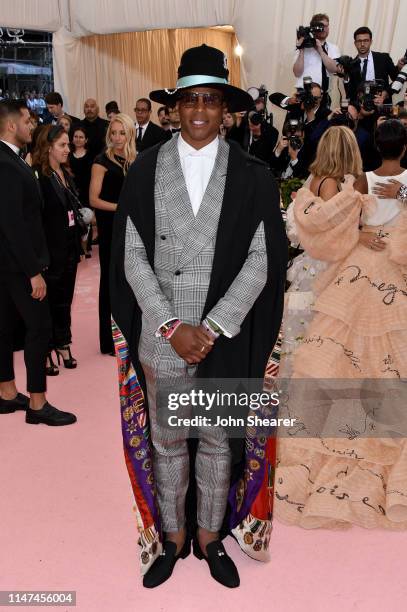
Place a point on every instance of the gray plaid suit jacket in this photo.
(184, 251)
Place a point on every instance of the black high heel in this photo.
(51, 369)
(70, 363)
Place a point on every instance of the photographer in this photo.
(288, 160)
(373, 66)
(350, 117)
(371, 102)
(306, 104)
(260, 138)
(314, 55)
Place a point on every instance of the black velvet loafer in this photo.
(163, 566)
(221, 566)
(20, 402)
(49, 415)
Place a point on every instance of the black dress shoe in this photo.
(49, 415)
(20, 402)
(220, 564)
(163, 566)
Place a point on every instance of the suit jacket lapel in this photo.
(17, 159)
(171, 189)
(20, 163)
(237, 195)
(205, 224)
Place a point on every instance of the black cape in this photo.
(251, 196)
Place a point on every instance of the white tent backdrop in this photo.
(264, 28)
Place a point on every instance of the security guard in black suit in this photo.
(23, 258)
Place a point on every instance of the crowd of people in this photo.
(345, 313)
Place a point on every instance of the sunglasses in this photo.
(189, 99)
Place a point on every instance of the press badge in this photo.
(71, 218)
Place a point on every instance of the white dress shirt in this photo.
(370, 73)
(12, 147)
(197, 166)
(313, 63)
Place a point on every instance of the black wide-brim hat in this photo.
(204, 66)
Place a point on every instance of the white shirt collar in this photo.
(12, 147)
(368, 57)
(142, 126)
(209, 150)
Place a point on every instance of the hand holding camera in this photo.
(306, 35)
(282, 144)
(294, 145)
(300, 43)
(337, 112)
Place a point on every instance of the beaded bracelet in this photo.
(167, 335)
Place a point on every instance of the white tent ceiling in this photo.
(264, 28)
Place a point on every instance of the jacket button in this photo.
(163, 237)
(177, 272)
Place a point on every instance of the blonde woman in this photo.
(339, 465)
(338, 155)
(66, 122)
(108, 172)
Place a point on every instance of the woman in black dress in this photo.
(63, 234)
(80, 162)
(108, 172)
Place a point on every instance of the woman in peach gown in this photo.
(345, 460)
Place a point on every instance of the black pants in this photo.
(15, 298)
(105, 226)
(60, 295)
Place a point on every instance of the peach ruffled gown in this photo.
(357, 337)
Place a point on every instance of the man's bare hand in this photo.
(192, 343)
(39, 287)
(335, 113)
(387, 190)
(371, 241)
(282, 144)
(319, 46)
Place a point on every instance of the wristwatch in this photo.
(402, 194)
(212, 328)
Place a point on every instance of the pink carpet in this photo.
(66, 519)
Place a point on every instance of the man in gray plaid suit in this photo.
(204, 255)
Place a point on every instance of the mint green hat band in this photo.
(199, 79)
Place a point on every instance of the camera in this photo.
(350, 66)
(370, 89)
(343, 119)
(295, 142)
(304, 94)
(291, 127)
(308, 33)
(401, 78)
(256, 117)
